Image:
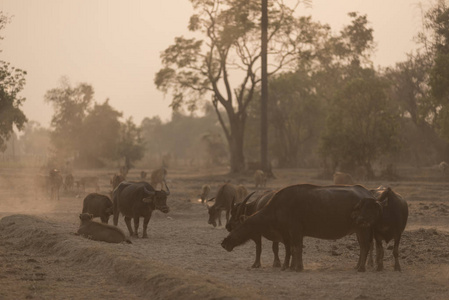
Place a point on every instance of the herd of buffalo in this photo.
(286, 216)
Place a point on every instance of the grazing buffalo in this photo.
(99, 231)
(205, 190)
(135, 200)
(325, 212)
(391, 224)
(98, 206)
(241, 211)
(343, 178)
(226, 194)
(158, 177)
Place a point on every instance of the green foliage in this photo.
(130, 145)
(12, 81)
(362, 124)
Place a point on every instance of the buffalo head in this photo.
(157, 198)
(214, 213)
(238, 213)
(367, 212)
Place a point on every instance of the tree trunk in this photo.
(236, 142)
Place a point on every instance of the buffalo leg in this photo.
(128, 224)
(379, 255)
(145, 226)
(258, 241)
(136, 225)
(219, 218)
(115, 219)
(365, 238)
(370, 256)
(397, 266)
(287, 253)
(297, 264)
(277, 261)
(104, 219)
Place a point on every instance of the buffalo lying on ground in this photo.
(99, 231)
(98, 206)
(391, 224)
(226, 194)
(325, 212)
(135, 200)
(241, 211)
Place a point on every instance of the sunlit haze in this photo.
(114, 45)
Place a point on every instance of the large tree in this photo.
(12, 81)
(197, 69)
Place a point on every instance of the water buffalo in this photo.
(98, 206)
(241, 211)
(116, 179)
(143, 175)
(68, 182)
(205, 190)
(158, 177)
(260, 178)
(135, 200)
(391, 224)
(325, 212)
(343, 178)
(99, 231)
(226, 194)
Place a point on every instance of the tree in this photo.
(12, 81)
(71, 105)
(130, 145)
(100, 130)
(362, 124)
(195, 69)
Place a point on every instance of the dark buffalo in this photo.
(325, 212)
(99, 206)
(138, 199)
(241, 211)
(226, 194)
(99, 231)
(391, 224)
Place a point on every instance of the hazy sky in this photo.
(114, 45)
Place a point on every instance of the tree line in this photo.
(329, 106)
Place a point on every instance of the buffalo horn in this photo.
(244, 204)
(166, 186)
(151, 193)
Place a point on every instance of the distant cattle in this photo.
(143, 175)
(260, 178)
(69, 182)
(391, 225)
(55, 182)
(88, 181)
(99, 231)
(304, 210)
(98, 206)
(41, 184)
(123, 170)
(116, 179)
(205, 190)
(343, 178)
(226, 195)
(158, 177)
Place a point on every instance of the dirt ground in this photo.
(41, 258)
